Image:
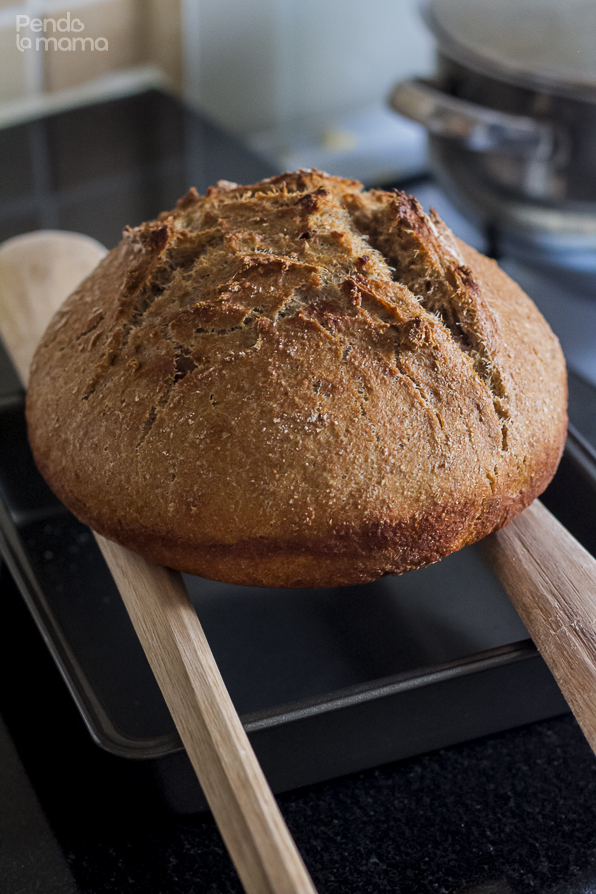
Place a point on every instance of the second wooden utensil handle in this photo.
(242, 803)
(551, 580)
(38, 271)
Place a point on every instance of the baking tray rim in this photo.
(106, 735)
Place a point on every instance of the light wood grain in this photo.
(37, 272)
(242, 803)
(551, 580)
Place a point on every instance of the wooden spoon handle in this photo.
(244, 808)
(551, 580)
(37, 271)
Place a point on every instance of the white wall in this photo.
(255, 65)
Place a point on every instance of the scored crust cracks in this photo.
(297, 383)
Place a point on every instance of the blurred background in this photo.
(304, 81)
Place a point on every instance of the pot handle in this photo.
(479, 128)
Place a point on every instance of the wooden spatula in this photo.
(37, 271)
(551, 581)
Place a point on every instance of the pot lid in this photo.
(540, 44)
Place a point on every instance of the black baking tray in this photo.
(327, 682)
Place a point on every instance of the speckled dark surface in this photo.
(512, 813)
(519, 808)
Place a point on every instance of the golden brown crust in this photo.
(297, 383)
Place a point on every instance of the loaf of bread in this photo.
(297, 383)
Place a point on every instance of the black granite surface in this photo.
(511, 814)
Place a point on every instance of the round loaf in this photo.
(297, 384)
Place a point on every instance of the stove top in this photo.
(327, 682)
(93, 169)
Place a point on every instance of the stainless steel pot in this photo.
(511, 117)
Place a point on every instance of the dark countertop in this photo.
(515, 812)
